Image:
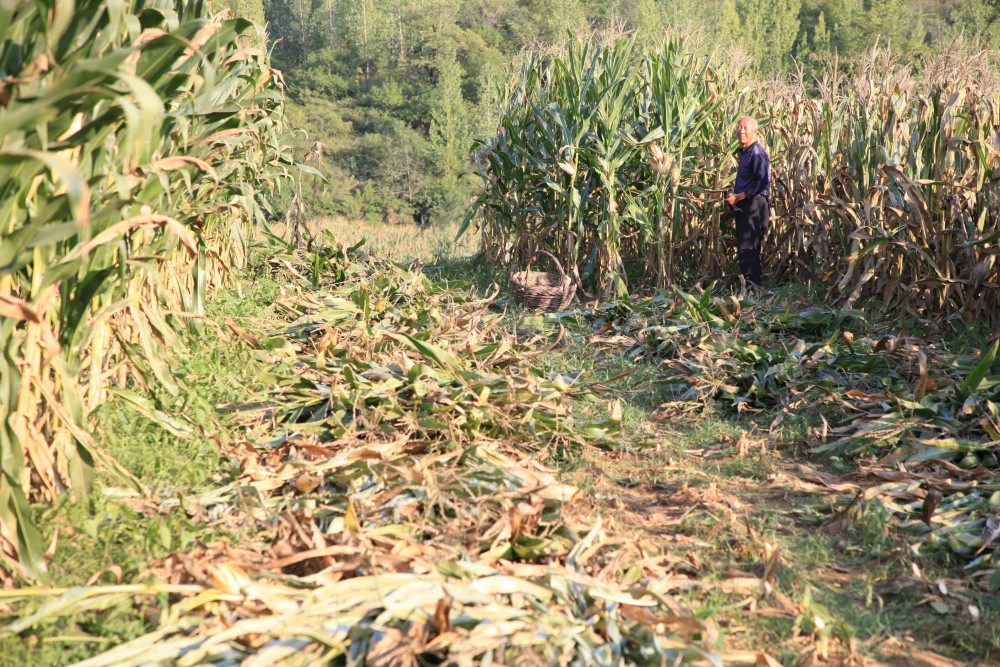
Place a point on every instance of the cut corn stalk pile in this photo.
(396, 504)
(923, 423)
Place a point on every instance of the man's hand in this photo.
(732, 198)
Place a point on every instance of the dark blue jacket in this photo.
(753, 176)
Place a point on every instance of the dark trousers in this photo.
(752, 217)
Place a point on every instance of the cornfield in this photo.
(134, 140)
(397, 503)
(885, 185)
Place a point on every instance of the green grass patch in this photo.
(113, 534)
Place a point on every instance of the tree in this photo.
(815, 51)
(857, 25)
(972, 18)
(449, 134)
(248, 9)
(649, 21)
(848, 21)
(729, 19)
(770, 29)
(898, 23)
(290, 24)
(366, 31)
(559, 18)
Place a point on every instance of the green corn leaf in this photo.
(981, 370)
(437, 356)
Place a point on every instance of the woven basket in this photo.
(540, 290)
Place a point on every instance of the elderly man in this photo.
(749, 199)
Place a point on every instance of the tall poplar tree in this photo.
(449, 115)
(366, 31)
(290, 26)
(770, 28)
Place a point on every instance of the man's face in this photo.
(746, 132)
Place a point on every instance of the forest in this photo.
(393, 93)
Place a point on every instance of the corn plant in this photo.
(884, 186)
(134, 139)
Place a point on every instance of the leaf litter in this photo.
(396, 480)
(921, 423)
(396, 490)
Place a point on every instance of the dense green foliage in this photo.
(396, 90)
(136, 142)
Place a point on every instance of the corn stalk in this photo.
(884, 186)
(134, 139)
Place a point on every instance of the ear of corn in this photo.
(884, 186)
(133, 140)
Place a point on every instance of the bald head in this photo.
(746, 131)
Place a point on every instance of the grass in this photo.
(397, 242)
(112, 535)
(216, 370)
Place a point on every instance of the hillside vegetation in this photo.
(396, 91)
